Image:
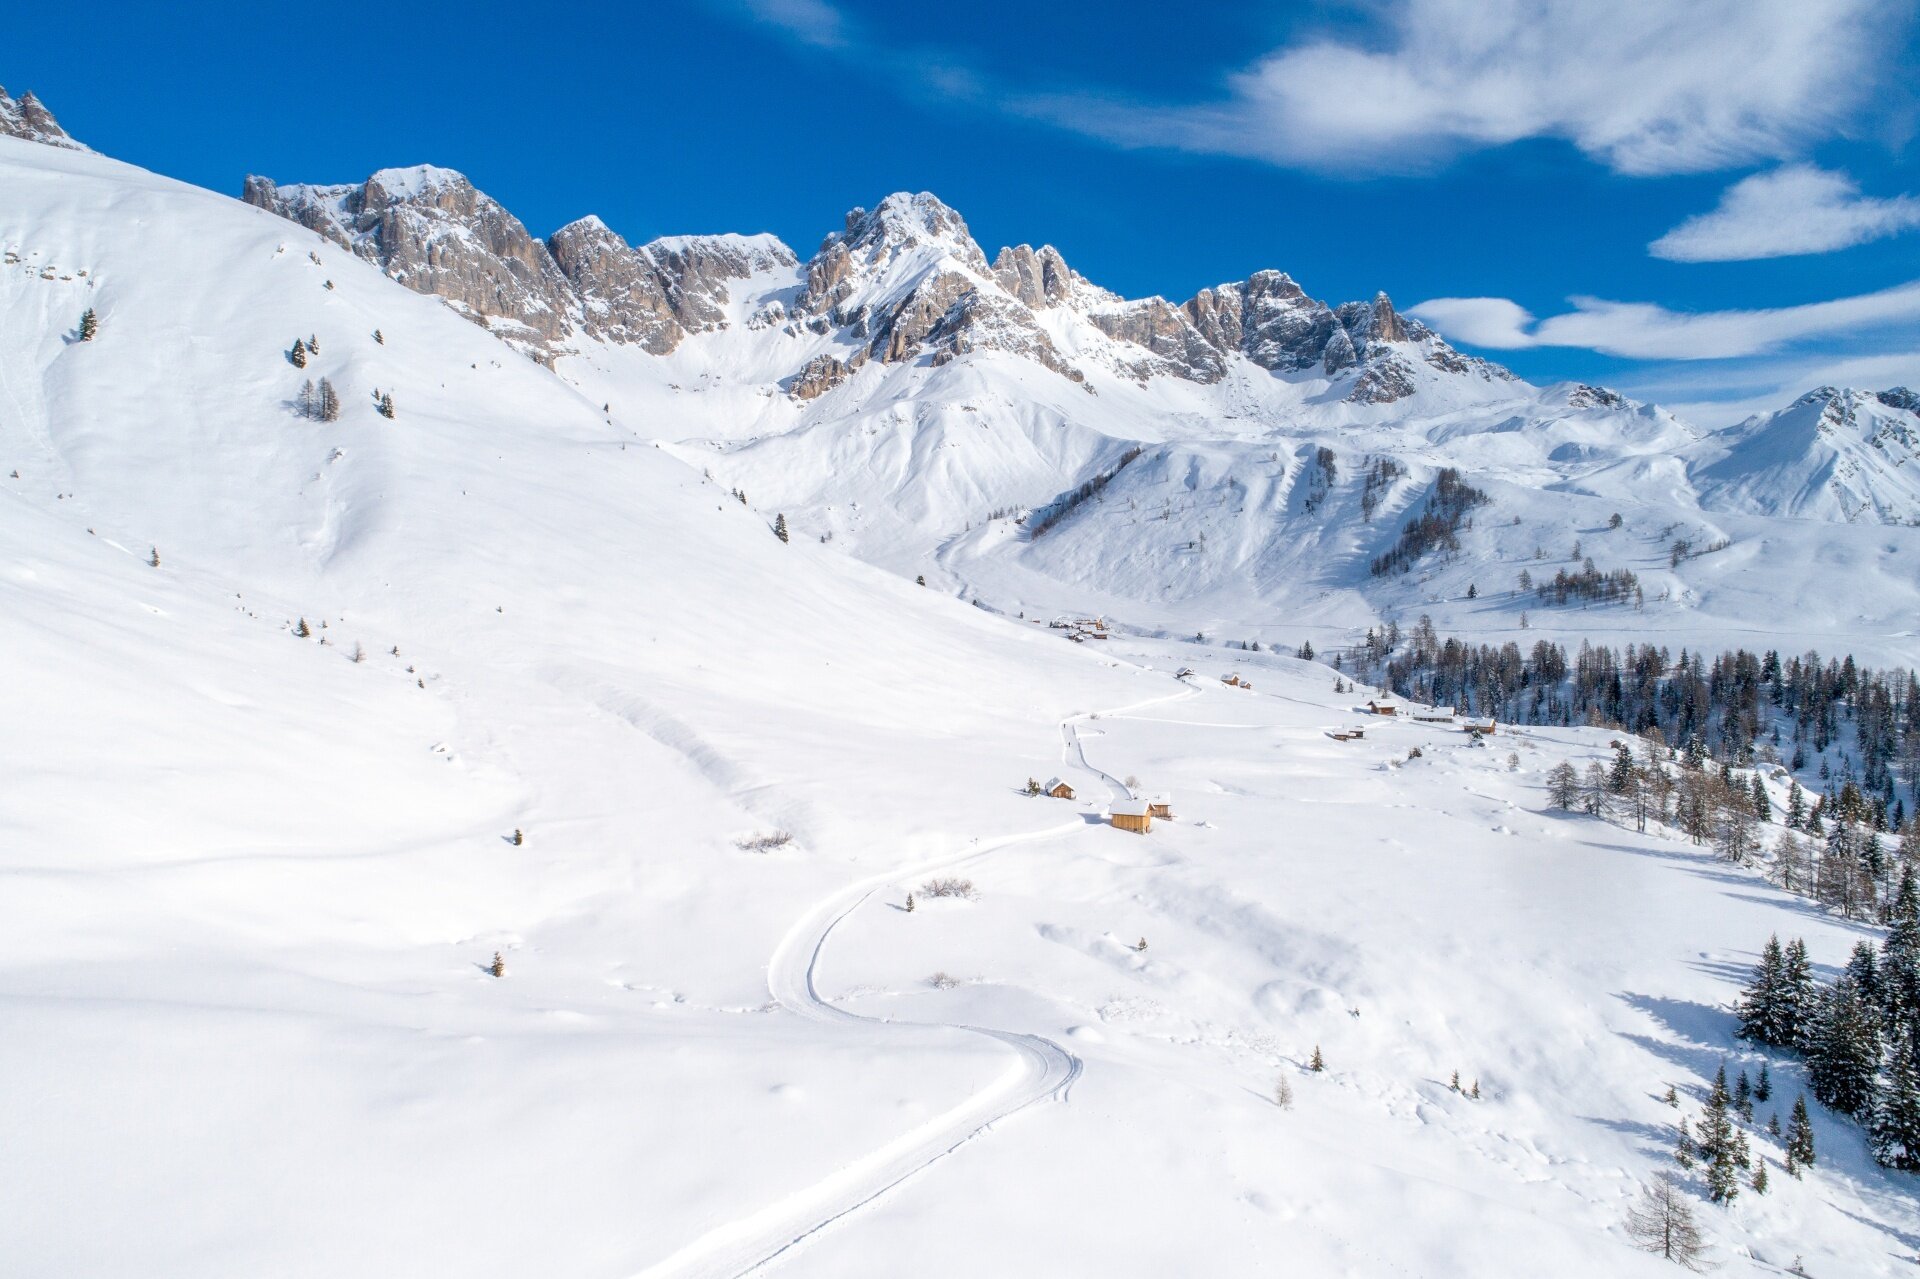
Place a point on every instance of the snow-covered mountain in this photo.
(315, 717)
(912, 397)
(1833, 454)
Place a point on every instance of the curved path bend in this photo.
(1040, 1070)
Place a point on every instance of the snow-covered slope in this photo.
(1836, 455)
(312, 719)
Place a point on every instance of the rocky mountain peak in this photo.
(433, 231)
(28, 118)
(1038, 277)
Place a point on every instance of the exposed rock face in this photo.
(1339, 353)
(818, 376)
(431, 230)
(622, 297)
(1383, 381)
(1899, 397)
(1267, 318)
(1595, 397)
(1038, 277)
(29, 119)
(1168, 333)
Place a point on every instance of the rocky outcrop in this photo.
(1040, 278)
(27, 118)
(819, 375)
(1168, 334)
(430, 229)
(1382, 381)
(621, 296)
(1267, 318)
(1595, 397)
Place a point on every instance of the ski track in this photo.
(1042, 1071)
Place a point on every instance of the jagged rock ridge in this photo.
(27, 118)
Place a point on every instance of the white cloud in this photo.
(1643, 330)
(813, 22)
(1794, 209)
(1645, 86)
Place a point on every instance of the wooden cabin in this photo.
(1383, 706)
(1160, 804)
(1057, 788)
(1132, 814)
(1346, 734)
(1481, 727)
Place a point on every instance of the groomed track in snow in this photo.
(1042, 1070)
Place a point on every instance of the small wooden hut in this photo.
(1058, 789)
(1160, 804)
(1383, 705)
(1132, 814)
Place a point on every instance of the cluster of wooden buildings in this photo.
(1134, 813)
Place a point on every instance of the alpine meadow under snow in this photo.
(523, 753)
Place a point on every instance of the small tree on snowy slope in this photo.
(385, 407)
(1318, 1063)
(329, 402)
(1723, 1153)
(1563, 785)
(89, 325)
(153, 559)
(1662, 1223)
(1799, 1137)
(298, 355)
(780, 528)
(499, 965)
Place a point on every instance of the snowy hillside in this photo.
(487, 815)
(1834, 455)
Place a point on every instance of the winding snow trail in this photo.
(1041, 1070)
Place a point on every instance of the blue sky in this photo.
(1506, 163)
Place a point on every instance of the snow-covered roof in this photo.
(1129, 808)
(1052, 782)
(1158, 797)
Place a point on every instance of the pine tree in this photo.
(1799, 1136)
(1773, 1124)
(1306, 650)
(1141, 944)
(1796, 807)
(313, 345)
(328, 402)
(909, 903)
(379, 337)
(1474, 1092)
(1720, 1143)
(780, 527)
(153, 558)
(1743, 1097)
(1318, 1063)
(1763, 1086)
(89, 325)
(1762, 808)
(1759, 1182)
(1900, 955)
(1762, 1005)
(1662, 1223)
(920, 580)
(1672, 1098)
(519, 838)
(1799, 997)
(301, 630)
(499, 965)
(299, 354)
(386, 406)
(1895, 1128)
(1685, 1150)
(1843, 1051)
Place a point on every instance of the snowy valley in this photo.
(564, 804)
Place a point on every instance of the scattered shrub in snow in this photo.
(761, 843)
(518, 837)
(359, 653)
(943, 981)
(1662, 1222)
(1283, 1095)
(948, 886)
(385, 407)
